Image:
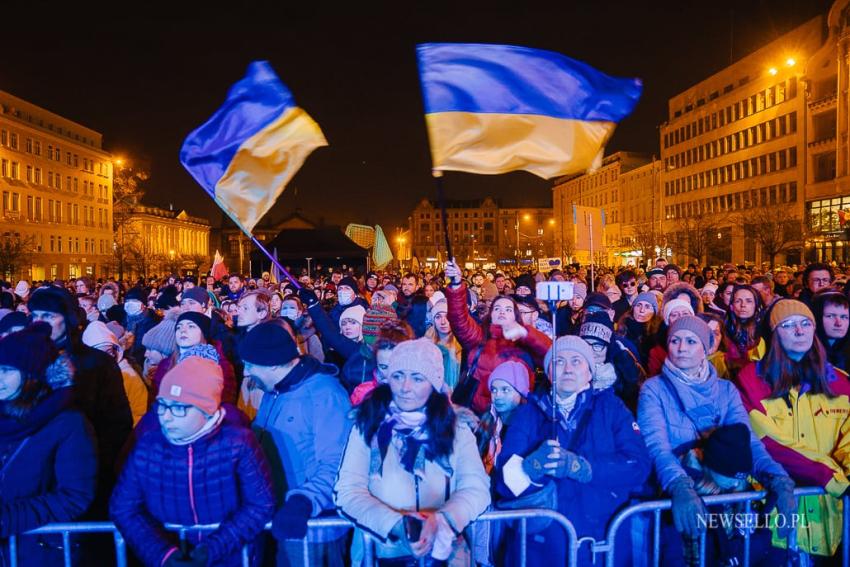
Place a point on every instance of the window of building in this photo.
(13, 141)
(29, 174)
(38, 175)
(28, 145)
(49, 151)
(50, 179)
(37, 148)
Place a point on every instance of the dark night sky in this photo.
(147, 81)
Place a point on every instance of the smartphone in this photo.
(412, 528)
(554, 291)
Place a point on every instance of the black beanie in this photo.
(528, 281)
(56, 300)
(30, 351)
(727, 451)
(12, 320)
(350, 282)
(597, 326)
(167, 298)
(201, 320)
(268, 344)
(135, 294)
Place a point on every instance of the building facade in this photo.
(482, 233)
(56, 186)
(733, 149)
(156, 241)
(604, 189)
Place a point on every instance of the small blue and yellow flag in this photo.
(498, 108)
(247, 152)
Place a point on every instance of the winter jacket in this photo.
(50, 475)
(375, 498)
(99, 394)
(302, 426)
(336, 311)
(359, 359)
(134, 387)
(222, 477)
(668, 426)
(494, 350)
(809, 435)
(139, 325)
(630, 373)
(621, 306)
(603, 431)
(637, 334)
(308, 339)
(837, 350)
(230, 392)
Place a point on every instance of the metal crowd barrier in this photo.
(315, 524)
(606, 547)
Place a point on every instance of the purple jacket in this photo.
(221, 478)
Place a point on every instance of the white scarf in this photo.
(604, 376)
(566, 405)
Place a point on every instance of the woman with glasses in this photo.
(201, 466)
(798, 405)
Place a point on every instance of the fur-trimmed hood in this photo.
(60, 373)
(679, 288)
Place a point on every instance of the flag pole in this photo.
(262, 248)
(441, 199)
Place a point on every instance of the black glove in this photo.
(781, 490)
(687, 506)
(569, 465)
(308, 297)
(196, 558)
(290, 522)
(533, 464)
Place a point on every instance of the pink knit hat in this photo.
(196, 381)
(422, 356)
(514, 373)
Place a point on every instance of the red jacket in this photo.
(495, 350)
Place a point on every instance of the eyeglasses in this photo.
(630, 284)
(177, 410)
(802, 323)
(598, 347)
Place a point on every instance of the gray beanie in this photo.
(161, 337)
(695, 325)
(570, 343)
(647, 297)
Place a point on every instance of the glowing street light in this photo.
(526, 217)
(773, 70)
(790, 62)
(552, 221)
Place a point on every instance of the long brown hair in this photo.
(782, 372)
(488, 320)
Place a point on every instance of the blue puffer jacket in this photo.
(602, 430)
(668, 430)
(222, 477)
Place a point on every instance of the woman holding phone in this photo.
(411, 474)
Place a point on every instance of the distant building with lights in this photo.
(735, 144)
(482, 233)
(56, 186)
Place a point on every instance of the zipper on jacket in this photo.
(192, 487)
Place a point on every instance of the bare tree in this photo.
(773, 228)
(697, 233)
(646, 238)
(127, 193)
(194, 262)
(15, 253)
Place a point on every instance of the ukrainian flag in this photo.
(498, 108)
(247, 152)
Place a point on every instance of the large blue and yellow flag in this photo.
(499, 108)
(247, 152)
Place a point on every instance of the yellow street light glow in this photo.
(790, 62)
(119, 161)
(526, 217)
(772, 71)
(551, 221)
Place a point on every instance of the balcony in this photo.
(822, 145)
(824, 103)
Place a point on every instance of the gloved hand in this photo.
(290, 522)
(782, 490)
(687, 506)
(196, 558)
(308, 297)
(569, 465)
(453, 272)
(534, 464)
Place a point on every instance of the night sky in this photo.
(148, 80)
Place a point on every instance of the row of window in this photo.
(742, 139)
(776, 94)
(824, 214)
(94, 217)
(12, 169)
(744, 200)
(10, 140)
(438, 227)
(456, 215)
(598, 179)
(40, 122)
(759, 165)
(455, 237)
(90, 245)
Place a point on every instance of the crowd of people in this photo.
(412, 403)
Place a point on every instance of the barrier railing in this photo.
(315, 524)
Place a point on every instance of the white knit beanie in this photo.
(675, 304)
(356, 312)
(420, 355)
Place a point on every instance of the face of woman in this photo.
(685, 350)
(573, 373)
(744, 304)
(382, 363)
(188, 334)
(179, 428)
(502, 312)
(707, 297)
(410, 389)
(576, 302)
(718, 335)
(727, 294)
(441, 323)
(429, 291)
(643, 312)
(505, 398)
(10, 383)
(796, 334)
(614, 294)
(351, 329)
(677, 313)
(275, 303)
